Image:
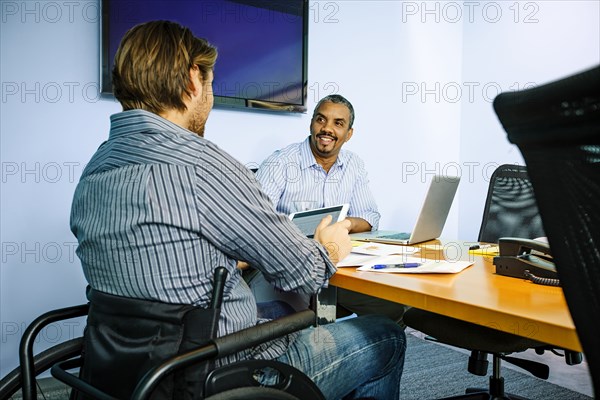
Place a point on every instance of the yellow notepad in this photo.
(486, 250)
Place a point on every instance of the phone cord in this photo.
(541, 281)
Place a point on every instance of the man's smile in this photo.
(325, 139)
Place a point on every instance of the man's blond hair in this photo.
(152, 66)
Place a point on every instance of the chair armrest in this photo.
(42, 361)
(26, 358)
(262, 333)
(224, 346)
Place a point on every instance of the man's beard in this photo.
(324, 150)
(198, 123)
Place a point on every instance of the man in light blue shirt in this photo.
(319, 173)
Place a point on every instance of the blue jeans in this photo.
(357, 358)
(273, 309)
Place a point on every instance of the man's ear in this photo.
(350, 132)
(195, 83)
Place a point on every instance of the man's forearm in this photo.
(358, 225)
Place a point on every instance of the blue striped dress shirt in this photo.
(292, 174)
(158, 208)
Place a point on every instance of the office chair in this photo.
(556, 127)
(165, 360)
(510, 210)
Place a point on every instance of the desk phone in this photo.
(526, 258)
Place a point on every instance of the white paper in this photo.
(355, 260)
(380, 249)
(426, 267)
(369, 253)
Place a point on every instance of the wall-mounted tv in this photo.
(262, 45)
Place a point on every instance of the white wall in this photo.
(531, 44)
(398, 62)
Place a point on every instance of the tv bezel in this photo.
(219, 101)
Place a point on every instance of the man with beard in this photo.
(159, 207)
(319, 172)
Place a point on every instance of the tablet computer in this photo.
(308, 220)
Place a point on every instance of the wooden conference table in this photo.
(475, 294)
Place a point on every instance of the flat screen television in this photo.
(262, 45)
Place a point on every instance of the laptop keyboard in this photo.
(399, 236)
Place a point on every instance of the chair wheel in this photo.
(252, 393)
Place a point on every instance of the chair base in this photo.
(482, 394)
(496, 392)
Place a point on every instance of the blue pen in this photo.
(403, 265)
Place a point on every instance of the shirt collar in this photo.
(307, 158)
(139, 121)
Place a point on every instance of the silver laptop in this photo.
(431, 220)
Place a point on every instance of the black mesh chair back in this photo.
(557, 129)
(510, 208)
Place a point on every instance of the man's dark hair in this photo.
(337, 99)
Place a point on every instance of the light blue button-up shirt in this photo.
(292, 174)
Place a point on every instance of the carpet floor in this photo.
(434, 371)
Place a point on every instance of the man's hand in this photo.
(334, 238)
(243, 265)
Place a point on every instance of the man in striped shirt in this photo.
(319, 172)
(159, 207)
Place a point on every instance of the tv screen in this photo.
(262, 45)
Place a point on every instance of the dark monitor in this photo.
(262, 45)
